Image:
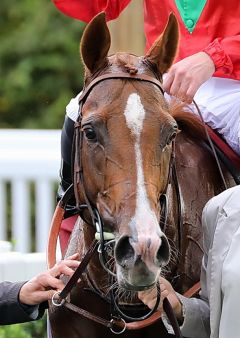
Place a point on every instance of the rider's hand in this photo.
(43, 286)
(186, 76)
(149, 297)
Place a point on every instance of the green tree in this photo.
(35, 329)
(40, 68)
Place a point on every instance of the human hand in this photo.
(43, 286)
(186, 76)
(149, 297)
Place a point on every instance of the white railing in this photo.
(29, 171)
(17, 266)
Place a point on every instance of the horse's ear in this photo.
(95, 43)
(164, 49)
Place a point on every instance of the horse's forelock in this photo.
(187, 120)
(119, 62)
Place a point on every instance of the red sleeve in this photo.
(85, 10)
(225, 54)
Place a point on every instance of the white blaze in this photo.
(144, 217)
(135, 115)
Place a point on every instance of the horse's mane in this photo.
(187, 120)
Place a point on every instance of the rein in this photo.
(212, 147)
(117, 324)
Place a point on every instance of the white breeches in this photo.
(219, 100)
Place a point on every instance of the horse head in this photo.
(126, 149)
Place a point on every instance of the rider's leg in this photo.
(219, 99)
(66, 172)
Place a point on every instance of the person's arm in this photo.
(10, 309)
(220, 58)
(194, 313)
(85, 10)
(191, 313)
(186, 76)
(24, 301)
(225, 53)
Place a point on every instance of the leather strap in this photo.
(172, 318)
(129, 326)
(55, 227)
(79, 271)
(87, 314)
(53, 235)
(193, 290)
(110, 76)
(133, 325)
(211, 145)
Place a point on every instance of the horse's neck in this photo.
(198, 180)
(198, 176)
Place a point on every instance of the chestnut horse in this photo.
(133, 152)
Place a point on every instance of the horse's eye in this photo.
(90, 133)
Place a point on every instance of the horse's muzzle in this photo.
(138, 263)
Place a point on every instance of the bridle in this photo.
(78, 165)
(117, 324)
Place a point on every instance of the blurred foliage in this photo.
(40, 68)
(40, 71)
(36, 329)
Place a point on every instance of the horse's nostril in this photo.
(124, 252)
(163, 253)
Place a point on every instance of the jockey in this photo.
(207, 67)
(208, 63)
